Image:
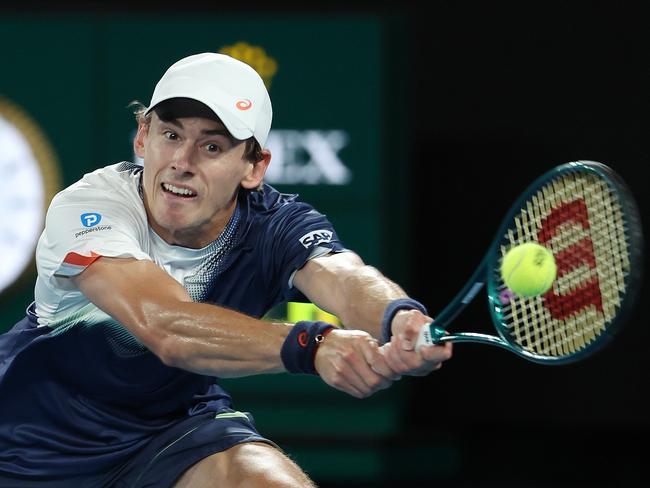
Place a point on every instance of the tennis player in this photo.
(151, 284)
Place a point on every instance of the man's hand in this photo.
(350, 361)
(400, 354)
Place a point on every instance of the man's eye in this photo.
(170, 135)
(212, 147)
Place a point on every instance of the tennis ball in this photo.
(528, 269)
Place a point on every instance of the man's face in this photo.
(193, 171)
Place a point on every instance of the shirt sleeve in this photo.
(297, 233)
(82, 226)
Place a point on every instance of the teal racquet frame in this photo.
(487, 274)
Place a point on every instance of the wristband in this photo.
(300, 346)
(394, 307)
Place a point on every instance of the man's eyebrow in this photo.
(216, 132)
(221, 131)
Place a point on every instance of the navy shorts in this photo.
(167, 456)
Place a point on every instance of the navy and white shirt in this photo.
(74, 383)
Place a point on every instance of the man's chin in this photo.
(172, 225)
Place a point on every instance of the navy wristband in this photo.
(300, 346)
(394, 307)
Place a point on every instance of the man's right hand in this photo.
(343, 361)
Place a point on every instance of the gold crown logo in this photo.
(254, 56)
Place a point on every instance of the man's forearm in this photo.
(364, 295)
(216, 341)
(346, 287)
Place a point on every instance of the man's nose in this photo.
(183, 158)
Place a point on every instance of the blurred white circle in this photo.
(25, 161)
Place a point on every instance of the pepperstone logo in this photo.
(92, 229)
(90, 219)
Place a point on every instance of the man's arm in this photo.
(358, 295)
(343, 285)
(197, 337)
(213, 340)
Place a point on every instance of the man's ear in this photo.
(255, 175)
(138, 142)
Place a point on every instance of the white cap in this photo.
(230, 88)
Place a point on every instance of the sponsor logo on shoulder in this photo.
(91, 219)
(316, 237)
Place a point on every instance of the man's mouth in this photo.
(177, 190)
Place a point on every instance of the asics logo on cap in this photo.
(244, 104)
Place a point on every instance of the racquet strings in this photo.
(579, 217)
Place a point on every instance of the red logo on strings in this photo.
(580, 253)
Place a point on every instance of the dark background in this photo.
(491, 95)
(503, 93)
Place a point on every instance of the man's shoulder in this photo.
(113, 182)
(271, 213)
(115, 175)
(268, 199)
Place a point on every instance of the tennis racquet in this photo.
(584, 213)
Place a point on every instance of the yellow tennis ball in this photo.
(529, 269)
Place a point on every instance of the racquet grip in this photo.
(424, 338)
(429, 335)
